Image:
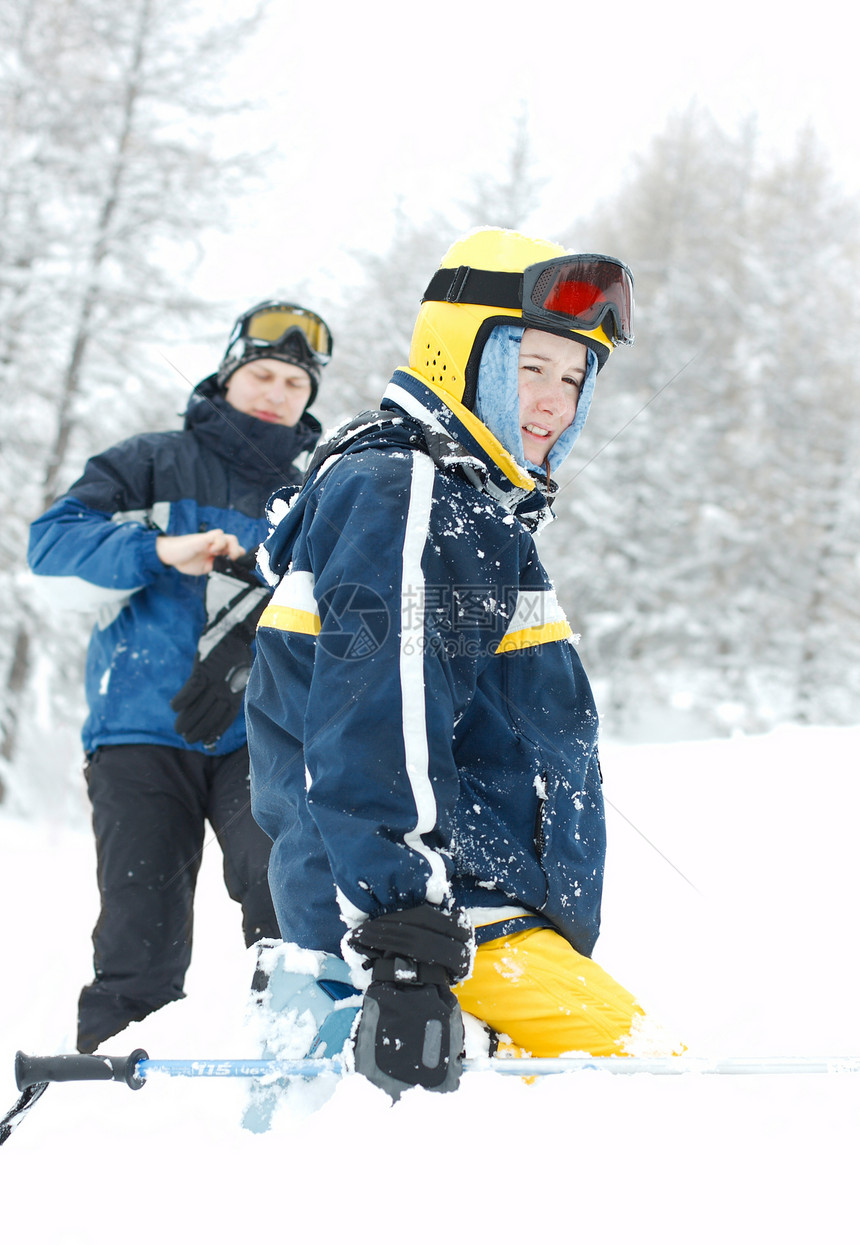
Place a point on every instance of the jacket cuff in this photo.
(151, 564)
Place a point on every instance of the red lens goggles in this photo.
(570, 292)
(581, 291)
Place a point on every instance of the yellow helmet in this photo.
(498, 276)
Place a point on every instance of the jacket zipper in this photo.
(539, 832)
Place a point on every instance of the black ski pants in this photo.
(150, 805)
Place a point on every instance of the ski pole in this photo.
(33, 1073)
(136, 1068)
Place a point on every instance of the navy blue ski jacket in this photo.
(420, 725)
(94, 549)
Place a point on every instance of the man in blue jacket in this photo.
(423, 737)
(153, 537)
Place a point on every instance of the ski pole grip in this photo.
(34, 1069)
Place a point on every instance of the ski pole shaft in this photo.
(35, 1069)
(136, 1068)
(273, 1069)
(671, 1065)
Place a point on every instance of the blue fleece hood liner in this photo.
(498, 406)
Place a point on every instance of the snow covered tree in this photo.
(373, 327)
(711, 562)
(810, 373)
(94, 253)
(509, 198)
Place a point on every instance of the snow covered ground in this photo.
(752, 951)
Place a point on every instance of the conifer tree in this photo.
(712, 562)
(109, 176)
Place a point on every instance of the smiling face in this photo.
(551, 372)
(271, 390)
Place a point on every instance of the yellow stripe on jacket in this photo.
(293, 606)
(537, 619)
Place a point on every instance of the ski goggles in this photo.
(584, 291)
(272, 325)
(571, 292)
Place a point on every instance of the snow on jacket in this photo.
(421, 728)
(95, 548)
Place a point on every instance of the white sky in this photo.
(368, 103)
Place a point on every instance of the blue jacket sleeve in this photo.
(96, 544)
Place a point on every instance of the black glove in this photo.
(411, 1029)
(212, 696)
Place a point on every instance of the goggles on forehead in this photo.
(272, 325)
(567, 293)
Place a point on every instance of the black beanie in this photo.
(290, 351)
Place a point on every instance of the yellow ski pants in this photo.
(534, 989)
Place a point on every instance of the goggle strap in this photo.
(476, 285)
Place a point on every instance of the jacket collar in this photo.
(517, 490)
(412, 416)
